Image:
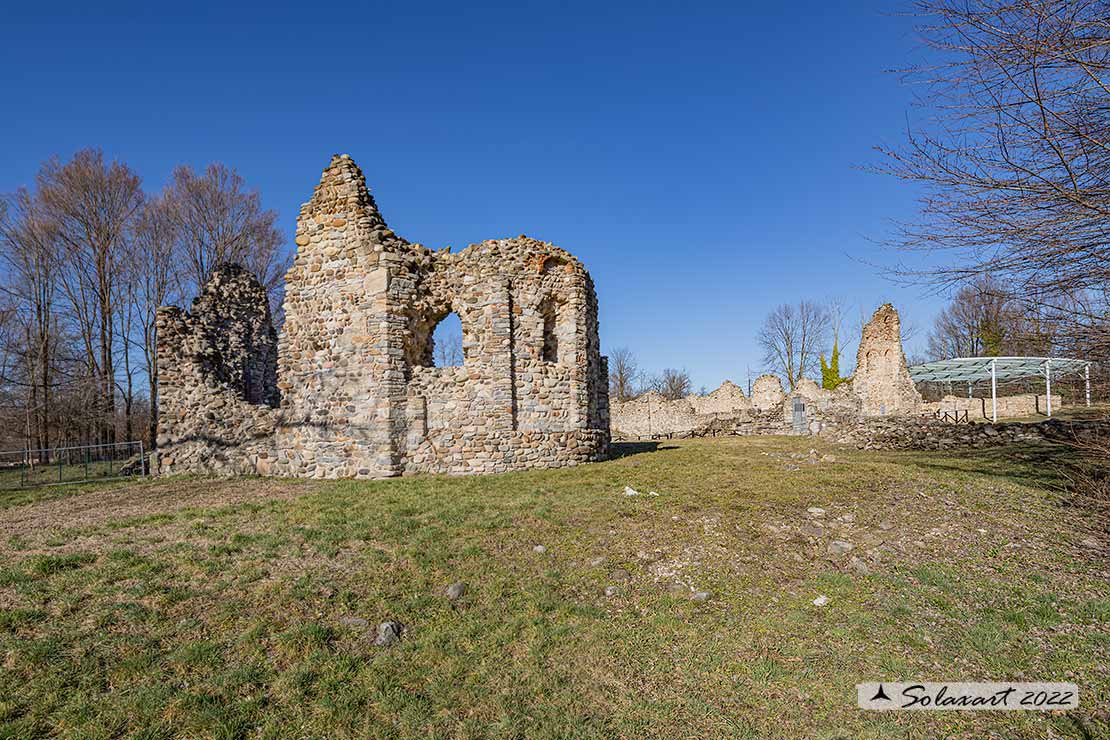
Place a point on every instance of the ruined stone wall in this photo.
(217, 377)
(882, 379)
(360, 395)
(905, 433)
(881, 386)
(1011, 407)
(767, 392)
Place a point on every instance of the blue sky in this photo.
(701, 159)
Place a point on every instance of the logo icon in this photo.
(880, 694)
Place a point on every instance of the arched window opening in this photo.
(447, 342)
(550, 349)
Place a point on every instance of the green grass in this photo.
(237, 621)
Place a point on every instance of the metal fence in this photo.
(61, 465)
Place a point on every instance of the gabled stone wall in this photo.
(360, 396)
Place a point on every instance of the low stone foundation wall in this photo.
(1019, 406)
(900, 433)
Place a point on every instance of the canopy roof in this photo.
(971, 369)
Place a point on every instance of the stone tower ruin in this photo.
(359, 393)
(882, 379)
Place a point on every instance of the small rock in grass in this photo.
(858, 567)
(815, 511)
(886, 526)
(353, 622)
(848, 518)
(630, 491)
(539, 549)
(839, 547)
(821, 601)
(700, 596)
(620, 574)
(812, 530)
(455, 591)
(828, 458)
(611, 590)
(596, 562)
(677, 589)
(1090, 542)
(389, 633)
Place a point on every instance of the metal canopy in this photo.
(971, 369)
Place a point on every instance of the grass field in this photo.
(248, 607)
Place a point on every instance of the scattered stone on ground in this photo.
(620, 574)
(596, 562)
(389, 633)
(857, 566)
(821, 601)
(700, 596)
(840, 547)
(456, 591)
(611, 590)
(815, 511)
(828, 458)
(812, 530)
(539, 549)
(630, 491)
(886, 526)
(1091, 542)
(677, 589)
(847, 518)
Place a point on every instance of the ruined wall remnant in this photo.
(217, 383)
(881, 386)
(651, 414)
(767, 392)
(360, 396)
(882, 379)
(1008, 407)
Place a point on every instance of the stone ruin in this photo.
(350, 388)
(881, 386)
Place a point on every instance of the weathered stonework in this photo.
(881, 386)
(1008, 407)
(882, 379)
(360, 396)
(767, 392)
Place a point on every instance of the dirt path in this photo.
(35, 523)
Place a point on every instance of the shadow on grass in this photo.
(1040, 465)
(618, 450)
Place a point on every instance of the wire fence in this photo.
(61, 465)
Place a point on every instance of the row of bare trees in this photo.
(1013, 155)
(86, 258)
(628, 380)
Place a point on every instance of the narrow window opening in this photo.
(550, 350)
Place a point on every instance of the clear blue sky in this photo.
(700, 158)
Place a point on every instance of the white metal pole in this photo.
(1048, 386)
(994, 393)
(1087, 382)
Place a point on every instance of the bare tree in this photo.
(29, 257)
(154, 281)
(91, 205)
(217, 220)
(1015, 154)
(793, 338)
(448, 349)
(671, 384)
(624, 374)
(985, 319)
